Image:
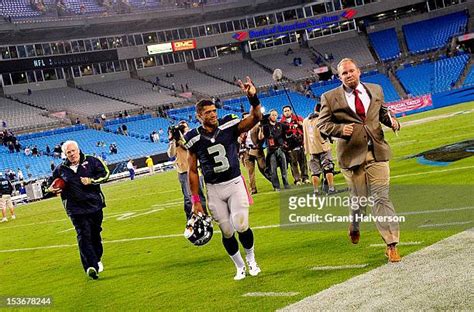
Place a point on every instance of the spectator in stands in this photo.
(120, 114)
(57, 151)
(124, 129)
(48, 150)
(156, 137)
(4, 124)
(52, 165)
(119, 130)
(11, 175)
(78, 122)
(152, 136)
(17, 145)
(173, 87)
(150, 164)
(103, 117)
(82, 8)
(34, 151)
(289, 51)
(131, 169)
(27, 151)
(187, 87)
(83, 201)
(182, 88)
(29, 91)
(161, 132)
(12, 147)
(273, 133)
(176, 149)
(293, 137)
(19, 175)
(353, 113)
(125, 113)
(113, 148)
(6, 190)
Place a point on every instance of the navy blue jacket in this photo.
(6, 187)
(79, 198)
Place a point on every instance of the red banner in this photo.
(410, 104)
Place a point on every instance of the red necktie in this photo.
(360, 110)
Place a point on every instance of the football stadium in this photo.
(130, 130)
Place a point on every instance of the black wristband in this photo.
(254, 101)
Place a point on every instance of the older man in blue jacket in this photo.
(83, 200)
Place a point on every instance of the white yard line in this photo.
(443, 224)
(270, 294)
(339, 267)
(399, 244)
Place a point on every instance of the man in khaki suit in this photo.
(319, 150)
(353, 113)
(252, 152)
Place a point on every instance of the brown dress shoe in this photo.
(354, 234)
(393, 255)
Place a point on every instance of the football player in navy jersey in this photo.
(215, 145)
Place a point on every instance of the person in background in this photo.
(150, 164)
(6, 190)
(131, 169)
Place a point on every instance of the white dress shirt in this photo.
(363, 95)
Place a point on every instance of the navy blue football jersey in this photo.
(217, 152)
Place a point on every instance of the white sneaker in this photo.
(254, 269)
(92, 273)
(13, 217)
(4, 220)
(240, 275)
(101, 266)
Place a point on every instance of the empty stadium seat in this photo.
(434, 33)
(385, 43)
(432, 77)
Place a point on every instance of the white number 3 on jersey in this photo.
(222, 164)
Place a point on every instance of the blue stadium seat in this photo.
(435, 33)
(385, 43)
(432, 77)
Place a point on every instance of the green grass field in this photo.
(150, 266)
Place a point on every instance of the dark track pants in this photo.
(88, 228)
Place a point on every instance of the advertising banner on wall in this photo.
(407, 105)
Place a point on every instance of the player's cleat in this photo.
(393, 255)
(307, 181)
(254, 269)
(298, 183)
(13, 217)
(354, 234)
(92, 273)
(4, 220)
(101, 266)
(276, 189)
(240, 275)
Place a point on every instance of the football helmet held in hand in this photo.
(199, 229)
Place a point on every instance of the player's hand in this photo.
(395, 124)
(248, 87)
(54, 190)
(86, 181)
(348, 129)
(197, 209)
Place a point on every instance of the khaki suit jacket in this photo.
(335, 113)
(313, 142)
